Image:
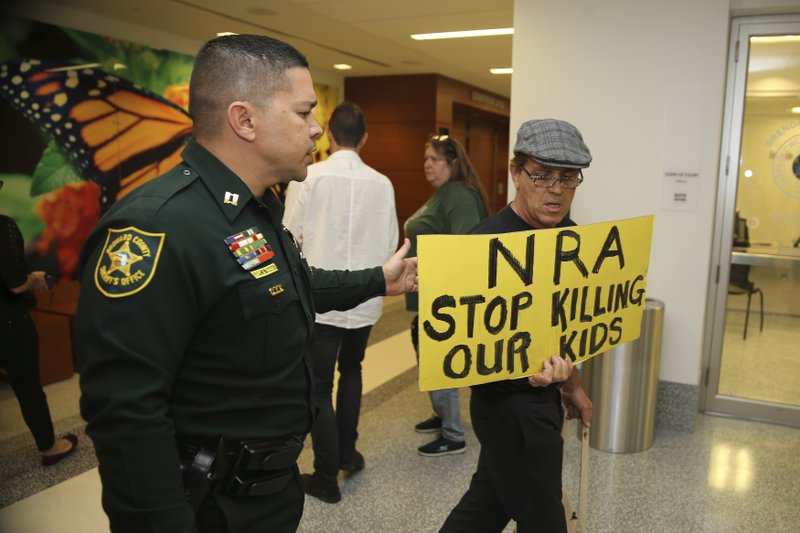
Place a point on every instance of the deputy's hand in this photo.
(400, 273)
(554, 370)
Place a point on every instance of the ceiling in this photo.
(370, 35)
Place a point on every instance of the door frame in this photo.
(712, 402)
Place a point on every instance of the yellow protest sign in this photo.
(494, 307)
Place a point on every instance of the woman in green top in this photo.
(458, 203)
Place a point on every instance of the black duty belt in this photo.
(251, 467)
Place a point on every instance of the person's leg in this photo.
(415, 335)
(434, 423)
(19, 356)
(479, 510)
(324, 438)
(348, 393)
(543, 455)
(521, 440)
(447, 406)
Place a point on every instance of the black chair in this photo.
(741, 235)
(739, 284)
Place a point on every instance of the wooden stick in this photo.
(583, 490)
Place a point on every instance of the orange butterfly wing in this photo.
(116, 133)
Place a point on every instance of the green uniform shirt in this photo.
(452, 210)
(175, 336)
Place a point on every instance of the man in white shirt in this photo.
(343, 216)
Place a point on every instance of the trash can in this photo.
(622, 384)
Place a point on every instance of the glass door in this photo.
(753, 329)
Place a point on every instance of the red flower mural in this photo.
(69, 214)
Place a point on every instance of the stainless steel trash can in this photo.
(622, 384)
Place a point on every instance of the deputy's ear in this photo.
(241, 120)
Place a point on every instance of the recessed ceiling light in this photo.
(506, 70)
(796, 110)
(460, 34)
(342, 66)
(225, 33)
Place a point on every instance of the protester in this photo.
(518, 422)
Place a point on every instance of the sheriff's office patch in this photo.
(128, 261)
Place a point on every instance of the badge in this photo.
(128, 261)
(250, 248)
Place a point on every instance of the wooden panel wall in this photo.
(402, 111)
(485, 137)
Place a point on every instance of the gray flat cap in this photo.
(554, 143)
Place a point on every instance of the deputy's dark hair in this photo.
(237, 67)
(461, 167)
(347, 124)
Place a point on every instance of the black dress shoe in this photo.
(50, 460)
(353, 467)
(313, 486)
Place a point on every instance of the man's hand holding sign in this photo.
(509, 309)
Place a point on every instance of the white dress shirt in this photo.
(343, 216)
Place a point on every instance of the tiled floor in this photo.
(728, 476)
(764, 366)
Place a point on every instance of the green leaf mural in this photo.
(53, 171)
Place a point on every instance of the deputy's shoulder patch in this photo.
(128, 261)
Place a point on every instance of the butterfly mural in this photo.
(116, 133)
(108, 134)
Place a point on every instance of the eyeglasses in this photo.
(545, 182)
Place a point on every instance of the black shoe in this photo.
(329, 493)
(431, 425)
(353, 467)
(442, 446)
(50, 460)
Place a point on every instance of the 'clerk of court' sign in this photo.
(494, 307)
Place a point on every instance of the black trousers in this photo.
(19, 357)
(519, 468)
(334, 433)
(276, 513)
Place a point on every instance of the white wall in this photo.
(613, 68)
